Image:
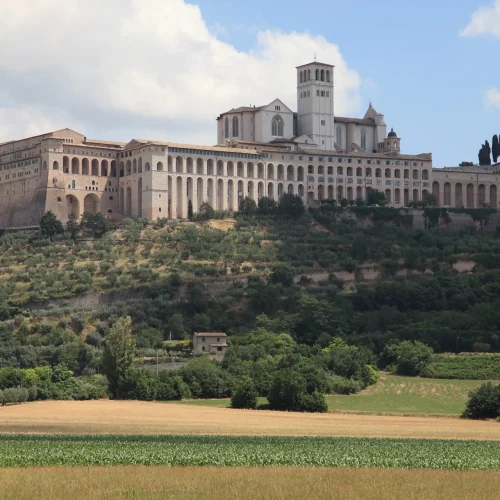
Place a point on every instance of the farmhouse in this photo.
(211, 342)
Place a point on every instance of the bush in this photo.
(313, 403)
(484, 402)
(245, 396)
(412, 357)
(345, 386)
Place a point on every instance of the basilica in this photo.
(260, 151)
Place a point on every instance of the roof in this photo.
(209, 334)
(359, 121)
(219, 345)
(356, 154)
(315, 62)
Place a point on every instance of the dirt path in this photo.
(134, 417)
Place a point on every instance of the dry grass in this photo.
(222, 224)
(244, 483)
(135, 417)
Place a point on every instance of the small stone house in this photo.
(213, 343)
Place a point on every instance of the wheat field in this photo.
(136, 417)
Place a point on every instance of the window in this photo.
(322, 93)
(317, 93)
(277, 126)
(327, 93)
(226, 127)
(235, 126)
(363, 139)
(277, 108)
(327, 75)
(323, 122)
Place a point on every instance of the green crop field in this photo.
(393, 394)
(24, 450)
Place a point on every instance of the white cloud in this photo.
(492, 98)
(485, 20)
(149, 68)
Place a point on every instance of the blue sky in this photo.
(416, 68)
(165, 69)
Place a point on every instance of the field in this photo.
(134, 417)
(193, 483)
(395, 394)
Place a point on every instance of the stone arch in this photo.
(493, 196)
(140, 165)
(85, 166)
(159, 166)
(340, 193)
(230, 194)
(406, 197)
(359, 192)
(470, 196)
(459, 203)
(95, 167)
(122, 169)
(220, 167)
(388, 196)
(210, 192)
(220, 194)
(425, 175)
(129, 168)
(170, 200)
(415, 195)
(91, 203)
(435, 192)
(350, 195)
(260, 170)
(397, 196)
(281, 172)
(300, 174)
(330, 195)
(290, 174)
(199, 166)
(260, 189)
(180, 197)
(290, 189)
(134, 166)
(447, 194)
(406, 173)
(55, 166)
(241, 192)
(230, 169)
(73, 205)
(128, 202)
(240, 169)
(104, 168)
(387, 173)
(301, 190)
(250, 190)
(189, 165)
(250, 169)
(415, 174)
(210, 167)
(139, 198)
(368, 172)
(75, 166)
(147, 167)
(481, 196)
(199, 191)
(170, 163)
(270, 171)
(397, 174)
(280, 190)
(359, 172)
(270, 190)
(378, 172)
(65, 164)
(113, 168)
(321, 192)
(179, 164)
(189, 190)
(349, 171)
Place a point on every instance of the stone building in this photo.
(261, 151)
(210, 342)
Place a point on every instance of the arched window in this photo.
(300, 76)
(338, 138)
(226, 127)
(277, 126)
(308, 74)
(322, 75)
(317, 74)
(327, 75)
(363, 139)
(235, 126)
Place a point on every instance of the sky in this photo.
(165, 69)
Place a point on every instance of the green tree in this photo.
(206, 212)
(485, 154)
(190, 210)
(73, 226)
(247, 206)
(94, 223)
(374, 197)
(483, 402)
(495, 148)
(267, 206)
(50, 225)
(429, 200)
(281, 273)
(245, 396)
(291, 205)
(118, 355)
(412, 357)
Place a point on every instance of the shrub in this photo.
(313, 403)
(245, 396)
(412, 357)
(345, 386)
(483, 402)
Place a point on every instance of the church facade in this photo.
(260, 151)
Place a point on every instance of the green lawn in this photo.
(393, 394)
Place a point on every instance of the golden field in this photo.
(136, 417)
(245, 483)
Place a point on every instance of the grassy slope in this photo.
(395, 394)
(245, 483)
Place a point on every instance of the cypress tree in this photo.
(495, 149)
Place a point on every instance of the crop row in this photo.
(178, 450)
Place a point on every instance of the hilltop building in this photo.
(261, 151)
(210, 342)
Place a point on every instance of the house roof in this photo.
(358, 121)
(315, 62)
(219, 345)
(209, 334)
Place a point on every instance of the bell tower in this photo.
(315, 103)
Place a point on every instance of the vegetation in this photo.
(484, 402)
(467, 366)
(171, 450)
